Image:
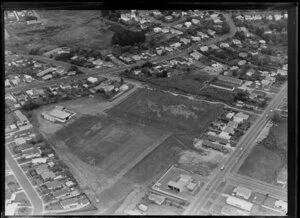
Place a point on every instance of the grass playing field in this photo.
(109, 144)
(166, 111)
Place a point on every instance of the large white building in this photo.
(242, 192)
(58, 114)
(242, 204)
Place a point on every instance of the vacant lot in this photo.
(167, 111)
(269, 156)
(262, 164)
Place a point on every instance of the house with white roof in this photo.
(188, 24)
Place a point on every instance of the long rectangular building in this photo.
(230, 79)
(242, 204)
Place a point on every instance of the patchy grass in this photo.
(262, 164)
(109, 144)
(73, 28)
(156, 162)
(166, 111)
(269, 157)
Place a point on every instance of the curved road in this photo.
(108, 73)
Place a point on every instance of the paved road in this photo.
(25, 183)
(247, 143)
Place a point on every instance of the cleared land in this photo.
(268, 157)
(166, 111)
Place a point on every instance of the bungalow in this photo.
(39, 160)
(224, 135)
(185, 41)
(202, 35)
(55, 184)
(230, 115)
(240, 17)
(28, 78)
(65, 86)
(237, 42)
(49, 76)
(243, 54)
(157, 13)
(169, 18)
(176, 45)
(7, 83)
(229, 129)
(265, 82)
(204, 48)
(136, 57)
(125, 17)
(242, 62)
(214, 47)
(224, 45)
(69, 203)
(196, 38)
(196, 55)
(188, 24)
(70, 184)
(216, 138)
(238, 119)
(165, 30)
(232, 124)
(61, 192)
(44, 72)
(34, 152)
(211, 32)
(157, 29)
(195, 21)
(242, 115)
(47, 175)
(41, 168)
(92, 79)
(278, 17)
(14, 82)
(262, 42)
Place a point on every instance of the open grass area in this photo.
(156, 162)
(108, 144)
(269, 156)
(166, 111)
(262, 164)
(73, 28)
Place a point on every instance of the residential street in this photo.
(25, 183)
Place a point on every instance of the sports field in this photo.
(166, 111)
(106, 143)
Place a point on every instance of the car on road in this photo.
(222, 167)
(241, 148)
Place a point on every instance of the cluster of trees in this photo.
(128, 37)
(34, 51)
(271, 144)
(30, 17)
(241, 96)
(113, 15)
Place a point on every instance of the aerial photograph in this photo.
(146, 112)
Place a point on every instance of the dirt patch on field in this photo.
(202, 164)
(166, 111)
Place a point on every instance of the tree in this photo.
(276, 118)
